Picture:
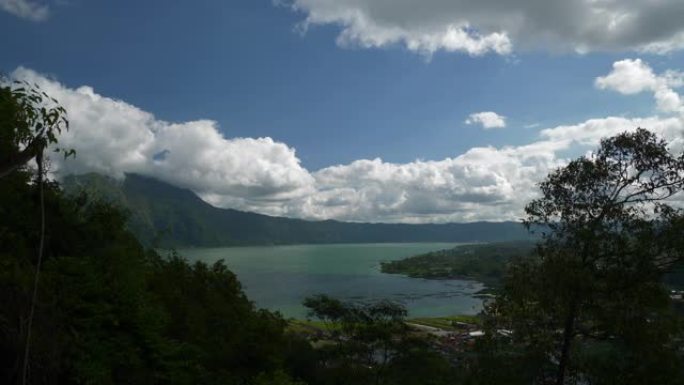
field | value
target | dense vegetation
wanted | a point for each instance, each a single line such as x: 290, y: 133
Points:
x: 482, y: 262
x: 590, y: 306
x: 109, y: 311
x: 164, y: 215
x: 372, y: 344
x: 486, y: 263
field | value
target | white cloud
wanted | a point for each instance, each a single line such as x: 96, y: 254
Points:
x: 487, y: 119
x: 481, y: 26
x: 634, y: 76
x: 262, y: 175
x: 26, y: 9
x: 482, y: 184
x: 628, y: 77
x: 589, y: 133
x: 113, y: 137
x: 485, y: 183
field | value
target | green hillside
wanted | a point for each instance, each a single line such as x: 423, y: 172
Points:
x: 165, y: 215
x: 483, y: 262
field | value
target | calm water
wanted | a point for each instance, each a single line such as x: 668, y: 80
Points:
x: 280, y: 277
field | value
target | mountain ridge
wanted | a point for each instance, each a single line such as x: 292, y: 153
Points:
x: 164, y: 215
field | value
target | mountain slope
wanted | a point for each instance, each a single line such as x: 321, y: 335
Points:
x: 166, y: 215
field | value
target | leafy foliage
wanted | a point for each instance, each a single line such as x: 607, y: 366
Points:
x: 371, y: 344
x: 110, y: 311
x: 594, y: 288
x: 30, y: 120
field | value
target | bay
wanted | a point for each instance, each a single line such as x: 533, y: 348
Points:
x: 280, y: 277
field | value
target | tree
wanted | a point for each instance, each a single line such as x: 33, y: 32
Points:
x: 372, y: 344
x: 594, y: 285
x: 365, y: 335
x: 30, y: 120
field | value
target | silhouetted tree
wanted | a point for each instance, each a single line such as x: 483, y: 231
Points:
x: 30, y: 120
x: 590, y: 304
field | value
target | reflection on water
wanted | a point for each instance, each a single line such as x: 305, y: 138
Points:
x: 280, y: 277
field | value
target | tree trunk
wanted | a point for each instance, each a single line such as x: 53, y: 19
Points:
x: 568, y: 336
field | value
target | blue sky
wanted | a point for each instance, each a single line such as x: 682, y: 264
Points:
x: 397, y: 90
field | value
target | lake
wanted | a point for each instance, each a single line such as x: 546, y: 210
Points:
x: 280, y: 277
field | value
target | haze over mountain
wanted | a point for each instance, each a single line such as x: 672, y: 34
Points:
x: 165, y: 215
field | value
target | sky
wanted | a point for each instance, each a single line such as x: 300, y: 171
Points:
x: 359, y: 110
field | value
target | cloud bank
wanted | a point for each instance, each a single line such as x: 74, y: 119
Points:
x: 259, y: 174
x: 477, y: 27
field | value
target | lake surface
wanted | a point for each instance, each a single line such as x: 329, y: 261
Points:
x: 280, y: 277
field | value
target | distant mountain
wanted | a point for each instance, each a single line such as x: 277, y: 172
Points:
x: 165, y: 215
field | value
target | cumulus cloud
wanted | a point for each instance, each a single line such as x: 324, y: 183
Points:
x: 477, y: 27
x: 485, y: 183
x: 487, y: 119
x: 628, y: 77
x: 590, y: 132
x: 263, y: 175
x: 482, y: 184
x: 113, y: 137
x: 634, y: 76
x: 26, y: 9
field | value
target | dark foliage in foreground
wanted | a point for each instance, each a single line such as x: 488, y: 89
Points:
x: 371, y: 344
x: 590, y: 306
x: 110, y: 311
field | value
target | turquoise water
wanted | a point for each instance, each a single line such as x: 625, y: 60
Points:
x: 280, y: 277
